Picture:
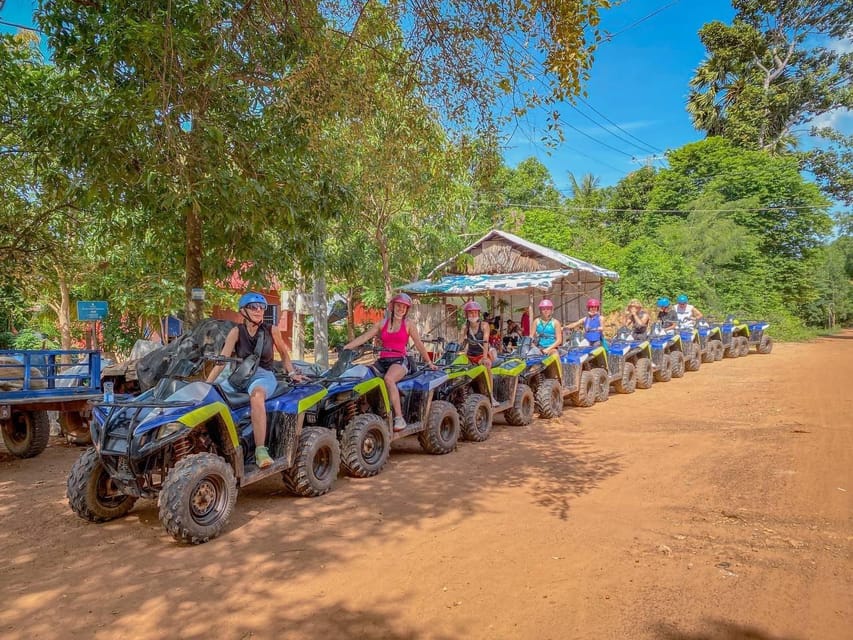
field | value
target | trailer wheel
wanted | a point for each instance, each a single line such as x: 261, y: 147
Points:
x: 26, y: 433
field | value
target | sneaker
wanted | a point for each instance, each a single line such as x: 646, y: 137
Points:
x: 399, y: 423
x: 262, y: 457
x: 495, y: 403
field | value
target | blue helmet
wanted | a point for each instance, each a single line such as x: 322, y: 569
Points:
x: 249, y: 297
x: 663, y: 302
x: 682, y: 299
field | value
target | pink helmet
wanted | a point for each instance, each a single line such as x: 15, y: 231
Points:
x: 471, y: 305
x: 403, y: 298
x: 546, y: 304
x: 593, y: 303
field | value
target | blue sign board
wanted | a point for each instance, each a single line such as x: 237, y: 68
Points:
x: 92, y: 309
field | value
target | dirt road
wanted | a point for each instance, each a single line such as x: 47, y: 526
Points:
x: 712, y: 507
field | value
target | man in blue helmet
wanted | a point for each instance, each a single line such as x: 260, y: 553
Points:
x: 666, y: 315
x: 242, y: 342
x: 687, y: 314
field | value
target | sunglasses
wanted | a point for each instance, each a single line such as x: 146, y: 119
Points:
x: 255, y: 306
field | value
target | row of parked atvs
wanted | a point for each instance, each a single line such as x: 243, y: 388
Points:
x: 190, y: 445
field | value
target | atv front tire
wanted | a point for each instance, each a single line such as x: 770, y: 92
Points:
x: 26, y: 433
x: 664, y: 370
x: 91, y: 493
x: 442, y: 429
x: 521, y: 412
x: 365, y: 445
x: 766, y: 345
x: 318, y: 460
x: 197, y: 498
x: 476, y: 418
x: 628, y: 382
x: 549, y: 399
x: 677, y: 359
x: 645, y: 375
x: 587, y: 390
x: 602, y: 384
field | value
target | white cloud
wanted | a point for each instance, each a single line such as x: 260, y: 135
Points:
x: 840, y: 119
x: 841, y: 45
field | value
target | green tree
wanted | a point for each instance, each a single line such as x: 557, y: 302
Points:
x: 832, y: 165
x: 763, y: 75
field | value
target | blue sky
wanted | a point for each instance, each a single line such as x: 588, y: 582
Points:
x: 639, y: 81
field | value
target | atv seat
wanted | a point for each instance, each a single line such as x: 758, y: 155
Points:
x: 238, y: 399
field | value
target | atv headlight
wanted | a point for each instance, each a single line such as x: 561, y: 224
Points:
x: 169, y: 429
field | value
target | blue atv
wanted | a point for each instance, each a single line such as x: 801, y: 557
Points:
x: 625, y: 363
x: 667, y: 354
x: 479, y: 397
x: 358, y: 410
x: 757, y: 338
x: 556, y: 377
x: 735, y: 337
x: 691, y: 345
x: 710, y: 340
x: 189, y: 444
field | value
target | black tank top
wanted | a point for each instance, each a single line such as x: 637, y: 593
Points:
x: 475, y: 348
x: 246, y: 344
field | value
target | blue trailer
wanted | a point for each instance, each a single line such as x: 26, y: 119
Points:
x: 33, y: 382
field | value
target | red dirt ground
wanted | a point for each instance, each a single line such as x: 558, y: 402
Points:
x: 716, y: 506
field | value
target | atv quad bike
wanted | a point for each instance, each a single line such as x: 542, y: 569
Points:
x: 691, y: 346
x: 190, y: 445
x: 479, y: 397
x: 667, y: 353
x: 711, y: 341
x: 358, y: 410
x: 625, y: 363
x: 735, y: 337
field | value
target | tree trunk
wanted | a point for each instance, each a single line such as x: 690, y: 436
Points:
x: 298, y: 351
x: 321, y: 317
x: 64, y: 314
x: 382, y: 243
x: 351, y: 301
x: 194, y: 278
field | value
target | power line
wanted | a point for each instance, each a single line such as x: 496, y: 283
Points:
x: 20, y: 26
x: 603, y: 128
x: 610, y: 36
x: 646, y: 144
x: 568, y: 208
x: 595, y: 140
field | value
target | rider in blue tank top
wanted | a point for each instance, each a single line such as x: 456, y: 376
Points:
x: 593, y: 327
x: 547, y: 330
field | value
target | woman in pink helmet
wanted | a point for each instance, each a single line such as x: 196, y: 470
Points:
x: 546, y: 329
x: 394, y: 331
x: 593, y: 328
x: 477, y: 335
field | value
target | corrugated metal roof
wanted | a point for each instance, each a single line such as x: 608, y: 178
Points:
x: 479, y: 283
x: 538, y: 249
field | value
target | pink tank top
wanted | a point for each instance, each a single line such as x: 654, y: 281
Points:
x: 394, y: 343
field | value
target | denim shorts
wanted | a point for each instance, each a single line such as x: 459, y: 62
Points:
x: 263, y: 378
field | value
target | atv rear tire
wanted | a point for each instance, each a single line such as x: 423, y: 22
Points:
x: 91, y: 492
x: 602, y: 384
x: 476, y: 417
x: 732, y: 350
x: 766, y: 345
x: 442, y: 429
x: 365, y: 445
x: 664, y: 370
x: 645, y: 375
x: 587, y: 390
x: 198, y: 498
x: 318, y: 459
x: 708, y: 353
x: 549, y: 399
x: 628, y: 382
x: 521, y: 412
x: 26, y: 433
x: 719, y: 351
x: 677, y: 359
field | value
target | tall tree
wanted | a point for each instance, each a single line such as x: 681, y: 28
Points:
x: 763, y: 75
